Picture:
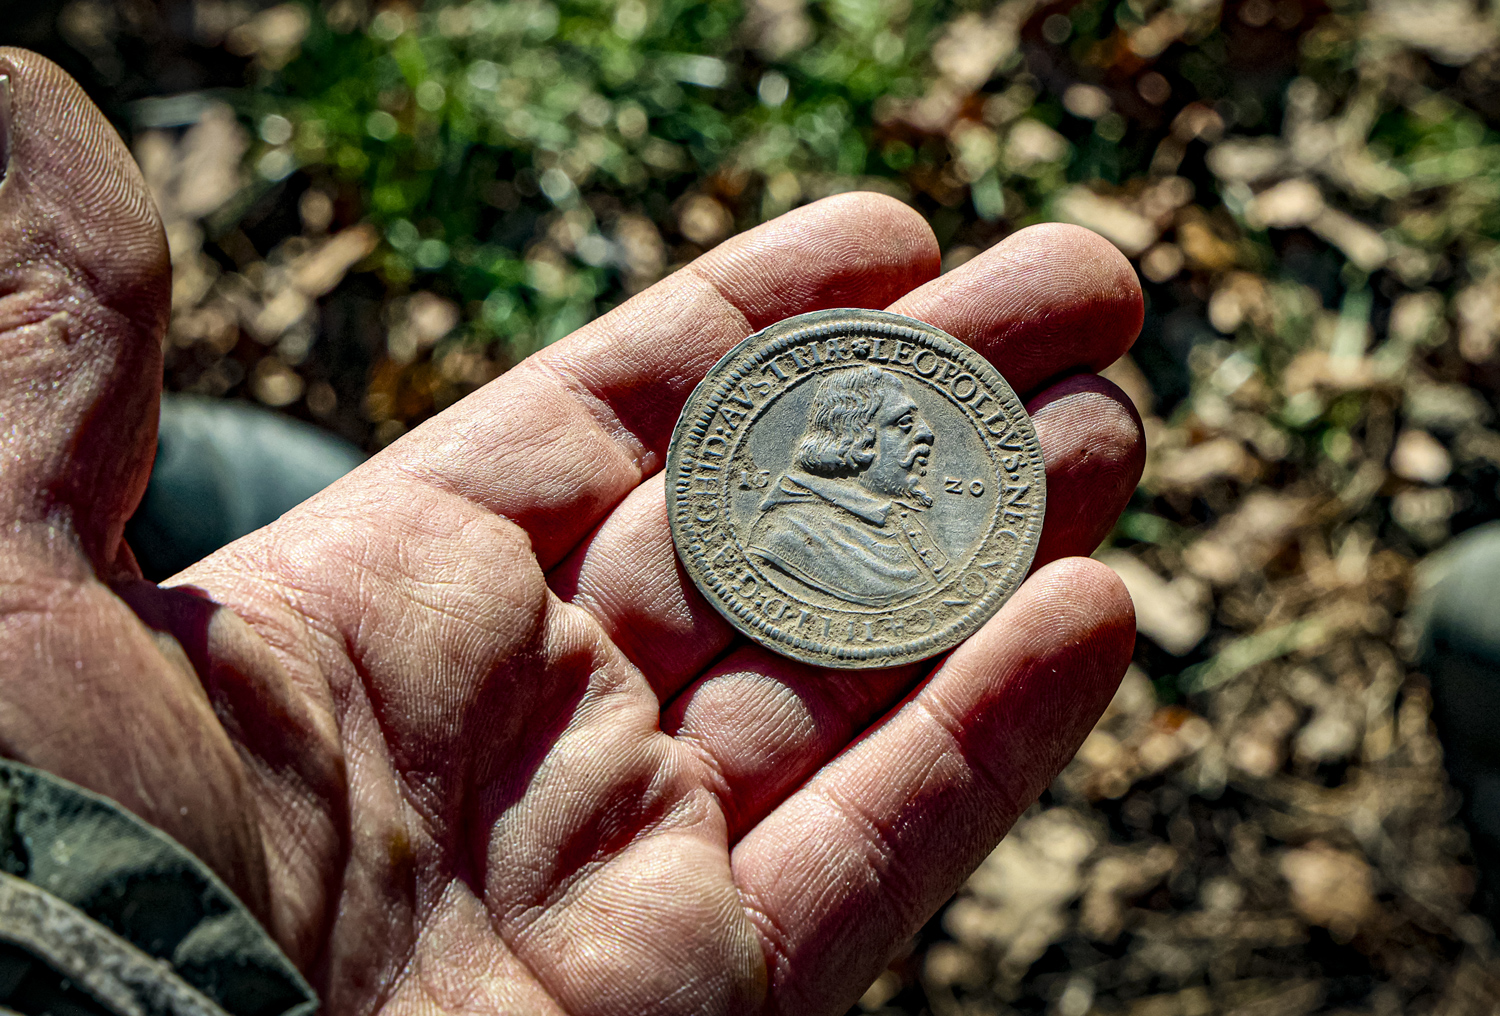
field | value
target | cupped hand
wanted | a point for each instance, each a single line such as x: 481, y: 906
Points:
x: 459, y: 729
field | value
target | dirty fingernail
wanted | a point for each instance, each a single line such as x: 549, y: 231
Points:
x: 4, y: 124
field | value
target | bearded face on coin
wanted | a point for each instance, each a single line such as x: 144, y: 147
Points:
x: 845, y: 519
x: 897, y: 441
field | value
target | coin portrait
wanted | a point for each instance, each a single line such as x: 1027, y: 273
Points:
x: 853, y: 488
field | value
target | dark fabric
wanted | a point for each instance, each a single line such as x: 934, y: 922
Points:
x: 141, y: 886
x: 224, y: 469
x: 1460, y: 650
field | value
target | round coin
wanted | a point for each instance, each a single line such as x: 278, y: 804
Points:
x: 853, y: 488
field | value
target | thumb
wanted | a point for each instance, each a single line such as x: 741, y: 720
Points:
x: 84, y: 295
x: 87, y: 691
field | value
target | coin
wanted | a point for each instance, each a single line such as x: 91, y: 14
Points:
x: 853, y: 488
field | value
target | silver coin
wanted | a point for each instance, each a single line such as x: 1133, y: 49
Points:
x: 854, y: 489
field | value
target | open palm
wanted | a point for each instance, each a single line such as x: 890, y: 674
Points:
x: 459, y: 729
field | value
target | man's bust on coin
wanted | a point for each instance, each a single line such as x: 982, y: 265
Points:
x: 844, y: 519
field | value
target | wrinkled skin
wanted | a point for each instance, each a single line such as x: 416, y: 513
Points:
x: 458, y: 729
x: 903, y: 442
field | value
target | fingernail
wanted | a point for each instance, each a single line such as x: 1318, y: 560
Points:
x: 4, y: 124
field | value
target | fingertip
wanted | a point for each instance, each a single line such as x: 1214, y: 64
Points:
x: 858, y: 249
x: 891, y: 226
x: 72, y: 195
x: 1070, y: 604
x: 1114, y: 628
x: 1030, y: 686
x: 1046, y: 301
x: 1101, y: 604
x: 1095, y: 405
x: 1094, y: 445
x: 1045, y: 666
x: 1090, y: 273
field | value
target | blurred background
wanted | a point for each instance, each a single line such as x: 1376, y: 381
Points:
x: 374, y: 208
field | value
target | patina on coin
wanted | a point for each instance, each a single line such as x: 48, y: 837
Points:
x: 854, y: 488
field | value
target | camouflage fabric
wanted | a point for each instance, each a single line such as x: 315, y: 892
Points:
x: 103, y: 914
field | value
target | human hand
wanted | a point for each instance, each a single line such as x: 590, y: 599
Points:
x: 458, y: 729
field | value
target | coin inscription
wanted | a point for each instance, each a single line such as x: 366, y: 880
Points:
x: 853, y: 488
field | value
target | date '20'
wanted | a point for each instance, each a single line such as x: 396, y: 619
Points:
x: 954, y: 485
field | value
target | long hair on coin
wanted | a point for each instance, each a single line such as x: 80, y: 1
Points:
x: 840, y: 435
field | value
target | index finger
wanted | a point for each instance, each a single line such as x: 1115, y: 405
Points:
x: 560, y: 439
